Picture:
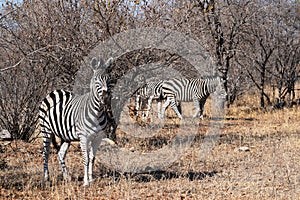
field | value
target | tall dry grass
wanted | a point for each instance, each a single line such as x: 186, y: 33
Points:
x: 268, y: 168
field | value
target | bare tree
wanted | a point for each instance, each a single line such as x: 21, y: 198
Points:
x: 226, y: 21
x: 42, y: 45
x: 259, y: 51
x: 270, y: 48
x: 287, y: 50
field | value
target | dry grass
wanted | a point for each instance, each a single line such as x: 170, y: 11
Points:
x: 269, y: 170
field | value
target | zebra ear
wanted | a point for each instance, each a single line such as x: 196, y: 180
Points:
x: 108, y: 62
x: 96, y: 64
x: 108, y: 65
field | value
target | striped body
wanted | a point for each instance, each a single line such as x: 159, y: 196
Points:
x: 186, y: 90
x: 75, y: 118
x: 149, y: 92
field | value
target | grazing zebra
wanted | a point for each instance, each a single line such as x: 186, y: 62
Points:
x: 196, y: 90
x: 76, y: 118
x: 150, y: 91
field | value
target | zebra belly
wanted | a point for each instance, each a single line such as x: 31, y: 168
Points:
x: 66, y: 131
x: 184, y: 97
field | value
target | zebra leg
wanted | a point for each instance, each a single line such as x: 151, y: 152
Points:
x: 85, y: 156
x: 149, y: 106
x: 178, y: 104
x: 196, y: 103
x: 170, y: 100
x: 142, y: 107
x: 61, y: 158
x: 159, y: 108
x: 164, y: 107
x: 201, y: 106
x: 137, y: 104
x: 46, y: 151
x: 94, y: 147
x: 174, y: 106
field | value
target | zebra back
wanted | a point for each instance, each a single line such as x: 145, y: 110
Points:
x: 188, y: 89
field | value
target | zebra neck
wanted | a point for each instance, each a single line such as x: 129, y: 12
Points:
x: 211, y: 88
x: 211, y: 85
x: 94, y: 103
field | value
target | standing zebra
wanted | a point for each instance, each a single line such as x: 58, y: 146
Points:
x: 150, y: 91
x: 76, y: 118
x: 196, y: 90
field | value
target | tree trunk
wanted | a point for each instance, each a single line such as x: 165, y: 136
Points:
x: 262, y: 87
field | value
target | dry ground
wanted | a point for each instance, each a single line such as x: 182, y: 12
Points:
x: 268, y: 169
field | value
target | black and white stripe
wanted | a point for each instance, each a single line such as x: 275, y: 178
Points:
x: 186, y: 90
x: 76, y: 118
x: 150, y: 91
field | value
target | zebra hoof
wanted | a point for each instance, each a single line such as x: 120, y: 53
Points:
x: 180, y: 117
x: 109, y: 141
x: 66, y: 176
x: 46, y: 178
x: 86, y: 184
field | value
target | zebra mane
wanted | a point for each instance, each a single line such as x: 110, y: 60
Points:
x: 208, y: 77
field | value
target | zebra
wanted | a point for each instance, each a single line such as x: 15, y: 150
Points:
x: 76, y: 118
x: 150, y: 91
x: 196, y: 90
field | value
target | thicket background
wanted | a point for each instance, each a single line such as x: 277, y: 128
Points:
x: 255, y: 44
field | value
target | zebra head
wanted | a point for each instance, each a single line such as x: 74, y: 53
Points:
x: 100, y: 80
